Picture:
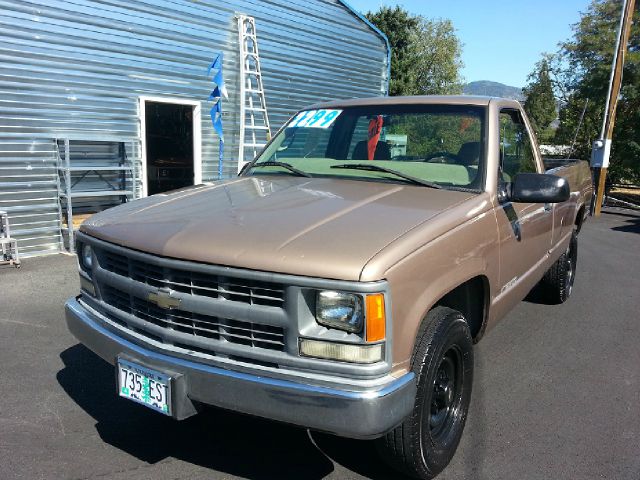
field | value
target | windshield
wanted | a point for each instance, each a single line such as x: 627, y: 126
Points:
x: 432, y: 145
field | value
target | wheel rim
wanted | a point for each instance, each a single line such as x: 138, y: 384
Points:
x: 446, y: 394
x: 570, y: 270
x: 569, y: 277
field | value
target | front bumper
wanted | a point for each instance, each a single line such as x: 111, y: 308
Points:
x: 334, y: 409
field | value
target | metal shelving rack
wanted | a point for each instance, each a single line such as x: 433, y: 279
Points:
x: 8, y: 246
x: 68, y: 186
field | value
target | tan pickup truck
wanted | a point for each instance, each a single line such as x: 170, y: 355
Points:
x: 340, y: 281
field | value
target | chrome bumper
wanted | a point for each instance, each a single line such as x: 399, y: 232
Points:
x: 355, y: 414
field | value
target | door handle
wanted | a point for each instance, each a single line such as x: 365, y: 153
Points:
x: 547, y: 207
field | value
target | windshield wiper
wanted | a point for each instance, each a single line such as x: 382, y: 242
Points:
x: 291, y: 168
x: 378, y: 168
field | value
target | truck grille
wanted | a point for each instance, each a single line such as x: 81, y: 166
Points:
x: 200, y: 332
x: 194, y: 283
x: 204, y: 326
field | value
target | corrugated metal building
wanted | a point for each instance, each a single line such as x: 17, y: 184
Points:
x: 83, y: 73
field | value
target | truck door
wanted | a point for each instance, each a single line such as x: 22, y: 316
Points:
x: 525, y: 229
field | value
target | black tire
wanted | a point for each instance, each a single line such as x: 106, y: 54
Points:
x: 557, y: 283
x: 423, y: 445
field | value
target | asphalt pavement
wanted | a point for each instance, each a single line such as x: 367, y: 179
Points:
x: 556, y: 392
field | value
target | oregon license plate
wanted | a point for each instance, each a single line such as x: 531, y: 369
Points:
x: 145, y: 386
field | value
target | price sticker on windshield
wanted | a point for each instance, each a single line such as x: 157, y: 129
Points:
x: 315, y: 118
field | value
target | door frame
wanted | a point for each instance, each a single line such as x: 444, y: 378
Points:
x: 197, y: 135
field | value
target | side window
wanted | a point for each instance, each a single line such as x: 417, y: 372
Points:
x: 516, y: 151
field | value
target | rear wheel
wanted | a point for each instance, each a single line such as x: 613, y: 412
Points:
x: 423, y: 445
x: 557, y: 283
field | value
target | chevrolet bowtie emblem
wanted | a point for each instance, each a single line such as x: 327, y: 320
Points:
x: 163, y: 299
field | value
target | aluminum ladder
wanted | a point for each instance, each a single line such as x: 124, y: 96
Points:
x: 255, y: 131
x: 8, y: 246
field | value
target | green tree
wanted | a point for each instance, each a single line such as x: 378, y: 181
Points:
x: 581, y: 71
x: 399, y: 27
x: 540, y: 101
x: 437, y: 64
x: 425, y: 54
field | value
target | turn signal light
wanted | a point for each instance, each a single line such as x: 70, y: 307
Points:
x: 376, y: 319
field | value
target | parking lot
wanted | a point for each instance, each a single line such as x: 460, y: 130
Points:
x: 556, y: 392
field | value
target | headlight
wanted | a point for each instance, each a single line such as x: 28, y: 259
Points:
x: 86, y: 257
x: 340, y: 310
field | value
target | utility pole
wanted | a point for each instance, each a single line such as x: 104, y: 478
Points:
x: 602, y: 147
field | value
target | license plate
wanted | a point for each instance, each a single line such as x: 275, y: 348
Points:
x: 145, y: 386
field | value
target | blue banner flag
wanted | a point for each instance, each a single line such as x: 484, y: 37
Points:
x: 218, y: 92
x: 216, y: 118
x: 218, y: 79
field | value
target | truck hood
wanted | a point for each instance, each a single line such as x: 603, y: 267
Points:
x: 327, y: 228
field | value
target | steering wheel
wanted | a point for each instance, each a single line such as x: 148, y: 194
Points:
x: 433, y: 156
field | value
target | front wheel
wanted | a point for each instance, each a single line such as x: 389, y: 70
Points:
x: 423, y: 445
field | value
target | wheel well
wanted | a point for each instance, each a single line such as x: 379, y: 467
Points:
x: 580, y: 219
x: 470, y: 299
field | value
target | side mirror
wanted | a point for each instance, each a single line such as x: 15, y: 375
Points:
x: 538, y: 188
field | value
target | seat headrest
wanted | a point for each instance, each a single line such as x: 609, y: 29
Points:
x: 469, y: 153
x: 360, y: 152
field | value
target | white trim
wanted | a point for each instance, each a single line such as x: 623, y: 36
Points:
x: 197, y: 135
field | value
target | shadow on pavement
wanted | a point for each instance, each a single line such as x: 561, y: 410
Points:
x: 622, y: 213
x: 477, y: 428
x: 216, y: 439
x: 631, y: 226
x: 356, y: 455
x: 539, y: 296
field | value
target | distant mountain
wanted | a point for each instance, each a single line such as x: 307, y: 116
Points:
x: 493, y: 89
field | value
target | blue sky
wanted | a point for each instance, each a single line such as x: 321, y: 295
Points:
x: 503, y: 39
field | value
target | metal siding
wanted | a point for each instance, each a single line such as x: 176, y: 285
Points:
x: 75, y: 69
